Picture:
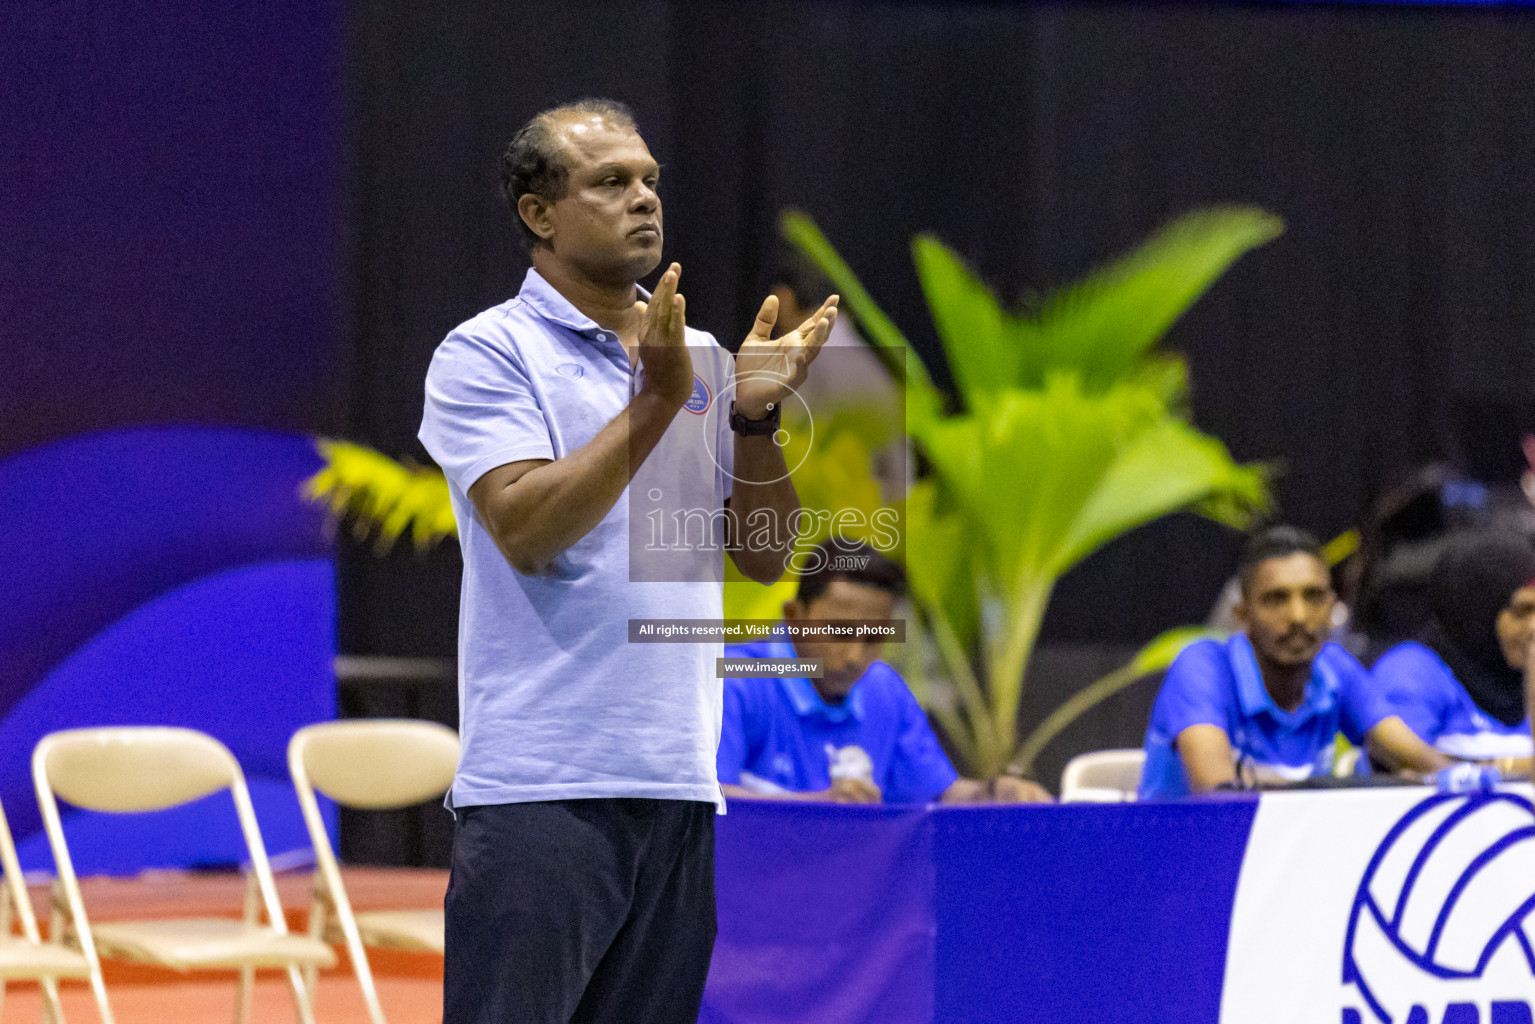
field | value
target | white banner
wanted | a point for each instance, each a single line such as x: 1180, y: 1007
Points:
x: 1385, y: 906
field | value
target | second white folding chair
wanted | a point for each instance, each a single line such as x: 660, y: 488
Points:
x: 1103, y: 776
x: 369, y: 764
x: 135, y: 769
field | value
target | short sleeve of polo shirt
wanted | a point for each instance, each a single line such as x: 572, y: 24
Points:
x: 919, y: 769
x: 1362, y: 706
x: 1196, y: 691
x: 481, y: 411
x: 1412, y: 683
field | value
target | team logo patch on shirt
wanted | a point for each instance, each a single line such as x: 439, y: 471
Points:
x: 571, y: 370
x: 698, y: 401
x: 850, y: 762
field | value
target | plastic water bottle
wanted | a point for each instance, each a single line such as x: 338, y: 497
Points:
x: 1467, y: 777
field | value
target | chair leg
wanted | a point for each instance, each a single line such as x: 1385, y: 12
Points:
x: 245, y: 992
x: 99, y: 989
x: 53, y: 1013
x: 301, y: 1000
x: 245, y: 988
x: 58, y: 931
x: 60, y: 927
x: 364, y: 972
x: 317, y: 921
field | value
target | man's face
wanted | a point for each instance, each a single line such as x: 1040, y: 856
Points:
x: 845, y: 660
x: 1286, y: 609
x: 1515, y: 623
x: 609, y: 222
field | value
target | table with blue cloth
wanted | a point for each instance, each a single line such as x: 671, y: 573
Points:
x: 1368, y: 906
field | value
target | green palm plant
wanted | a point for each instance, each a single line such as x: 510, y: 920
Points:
x: 1065, y: 430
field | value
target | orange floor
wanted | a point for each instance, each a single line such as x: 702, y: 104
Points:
x: 410, y: 985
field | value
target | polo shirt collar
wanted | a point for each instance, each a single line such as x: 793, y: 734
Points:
x: 556, y: 308
x: 806, y: 699
x: 1321, y: 688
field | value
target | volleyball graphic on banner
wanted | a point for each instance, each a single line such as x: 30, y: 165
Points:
x: 1441, y: 924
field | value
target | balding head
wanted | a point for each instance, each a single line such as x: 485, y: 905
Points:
x: 535, y: 161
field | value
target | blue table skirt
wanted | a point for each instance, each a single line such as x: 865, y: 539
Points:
x: 1090, y: 913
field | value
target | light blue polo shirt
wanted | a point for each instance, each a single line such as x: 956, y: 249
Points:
x: 779, y: 733
x: 1220, y: 684
x: 554, y: 702
x: 1420, y: 687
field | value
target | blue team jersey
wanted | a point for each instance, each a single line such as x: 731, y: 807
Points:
x: 1419, y: 686
x: 779, y: 734
x: 1220, y: 684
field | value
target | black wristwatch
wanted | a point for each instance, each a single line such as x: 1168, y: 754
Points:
x: 756, y: 428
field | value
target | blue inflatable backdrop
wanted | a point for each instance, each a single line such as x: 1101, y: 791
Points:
x: 164, y: 576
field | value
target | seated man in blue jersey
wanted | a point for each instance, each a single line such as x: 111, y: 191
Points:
x: 1462, y: 688
x: 1265, y: 706
x: 856, y: 735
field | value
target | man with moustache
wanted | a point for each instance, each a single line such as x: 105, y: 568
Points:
x: 582, y: 883
x: 1264, y: 706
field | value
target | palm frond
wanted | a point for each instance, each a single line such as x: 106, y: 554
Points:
x: 1167, y: 468
x: 381, y: 496
x: 923, y: 401
x: 800, y: 230
x: 978, y: 335
x: 1036, y: 482
x: 1105, y: 323
x: 938, y: 564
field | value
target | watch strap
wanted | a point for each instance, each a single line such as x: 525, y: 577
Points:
x: 756, y: 428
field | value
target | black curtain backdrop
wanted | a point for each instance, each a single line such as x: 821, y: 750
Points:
x: 1396, y: 142
x: 1392, y: 322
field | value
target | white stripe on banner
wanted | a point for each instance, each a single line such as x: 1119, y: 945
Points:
x: 1385, y: 906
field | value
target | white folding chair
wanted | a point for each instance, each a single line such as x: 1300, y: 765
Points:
x: 373, y: 764
x: 135, y: 769
x: 1103, y: 777
x: 27, y: 956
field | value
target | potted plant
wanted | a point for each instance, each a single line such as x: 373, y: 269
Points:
x: 1065, y: 430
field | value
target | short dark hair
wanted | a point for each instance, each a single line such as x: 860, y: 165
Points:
x: 532, y: 161
x: 852, y: 562
x: 1275, y: 542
